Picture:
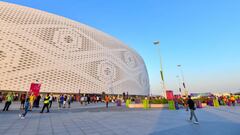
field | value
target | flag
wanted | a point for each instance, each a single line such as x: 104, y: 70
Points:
x: 162, y: 75
x: 35, y: 88
x: 156, y: 42
x: 184, y: 85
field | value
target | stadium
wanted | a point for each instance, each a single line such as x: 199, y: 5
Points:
x: 64, y: 56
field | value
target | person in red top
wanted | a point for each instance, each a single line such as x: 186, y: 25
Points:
x: 106, y: 100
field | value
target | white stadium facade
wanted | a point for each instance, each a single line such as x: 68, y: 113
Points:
x: 64, y: 56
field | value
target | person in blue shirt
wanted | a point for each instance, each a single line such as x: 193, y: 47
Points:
x: 26, y: 107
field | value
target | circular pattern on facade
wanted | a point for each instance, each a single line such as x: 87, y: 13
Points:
x: 129, y: 59
x: 106, y: 72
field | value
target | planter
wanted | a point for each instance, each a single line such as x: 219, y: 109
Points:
x: 158, y: 105
x: 204, y: 105
x: 150, y: 105
x: 135, y: 105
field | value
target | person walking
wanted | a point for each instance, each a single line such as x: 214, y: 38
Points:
x: 106, y: 100
x: 26, y: 107
x: 191, y: 105
x: 64, y: 101
x: 22, y: 99
x: 61, y: 99
x: 46, y: 103
x: 9, y: 99
x: 88, y: 99
x: 38, y: 100
x: 50, y: 100
x: 31, y: 101
x: 232, y: 100
x: 69, y: 100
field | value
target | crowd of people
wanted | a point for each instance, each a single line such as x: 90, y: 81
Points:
x: 28, y: 101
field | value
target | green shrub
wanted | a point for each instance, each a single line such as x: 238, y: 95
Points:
x: 158, y: 101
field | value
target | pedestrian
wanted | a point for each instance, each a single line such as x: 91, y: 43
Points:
x: 46, y: 103
x: 106, y: 100
x: 82, y: 99
x: 88, y: 99
x: 22, y: 99
x: 61, y: 99
x: 69, y: 100
x: 26, y: 107
x: 9, y: 99
x: 38, y: 100
x: 232, y: 100
x: 192, y: 108
x: 98, y: 99
x: 31, y: 101
x: 50, y: 100
x: 64, y: 101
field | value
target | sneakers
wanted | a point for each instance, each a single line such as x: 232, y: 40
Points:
x: 196, y: 122
x: 22, y: 117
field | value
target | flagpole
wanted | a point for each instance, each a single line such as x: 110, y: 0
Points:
x: 179, y: 84
x: 183, y: 80
x: 157, y: 43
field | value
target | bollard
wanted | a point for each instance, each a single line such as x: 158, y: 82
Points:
x: 171, y: 105
x: 146, y: 104
x: 215, y: 103
x: 128, y: 102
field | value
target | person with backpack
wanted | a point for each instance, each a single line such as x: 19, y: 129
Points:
x: 26, y: 107
x: 191, y: 106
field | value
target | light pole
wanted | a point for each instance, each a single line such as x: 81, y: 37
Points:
x: 157, y: 43
x: 183, y: 80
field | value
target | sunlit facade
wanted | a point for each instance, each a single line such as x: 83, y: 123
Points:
x: 64, y: 56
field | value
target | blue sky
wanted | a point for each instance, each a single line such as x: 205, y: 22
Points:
x: 201, y: 35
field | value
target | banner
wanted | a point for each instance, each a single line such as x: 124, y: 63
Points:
x: 35, y: 88
x: 169, y: 94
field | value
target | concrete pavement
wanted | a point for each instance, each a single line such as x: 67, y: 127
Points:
x: 96, y: 120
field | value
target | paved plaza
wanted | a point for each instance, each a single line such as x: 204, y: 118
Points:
x: 95, y: 119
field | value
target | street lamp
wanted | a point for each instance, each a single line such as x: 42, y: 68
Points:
x: 183, y: 80
x: 157, y: 43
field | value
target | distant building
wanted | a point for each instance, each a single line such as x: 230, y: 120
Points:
x: 196, y: 95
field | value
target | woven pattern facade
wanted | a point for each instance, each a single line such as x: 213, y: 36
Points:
x: 64, y: 56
